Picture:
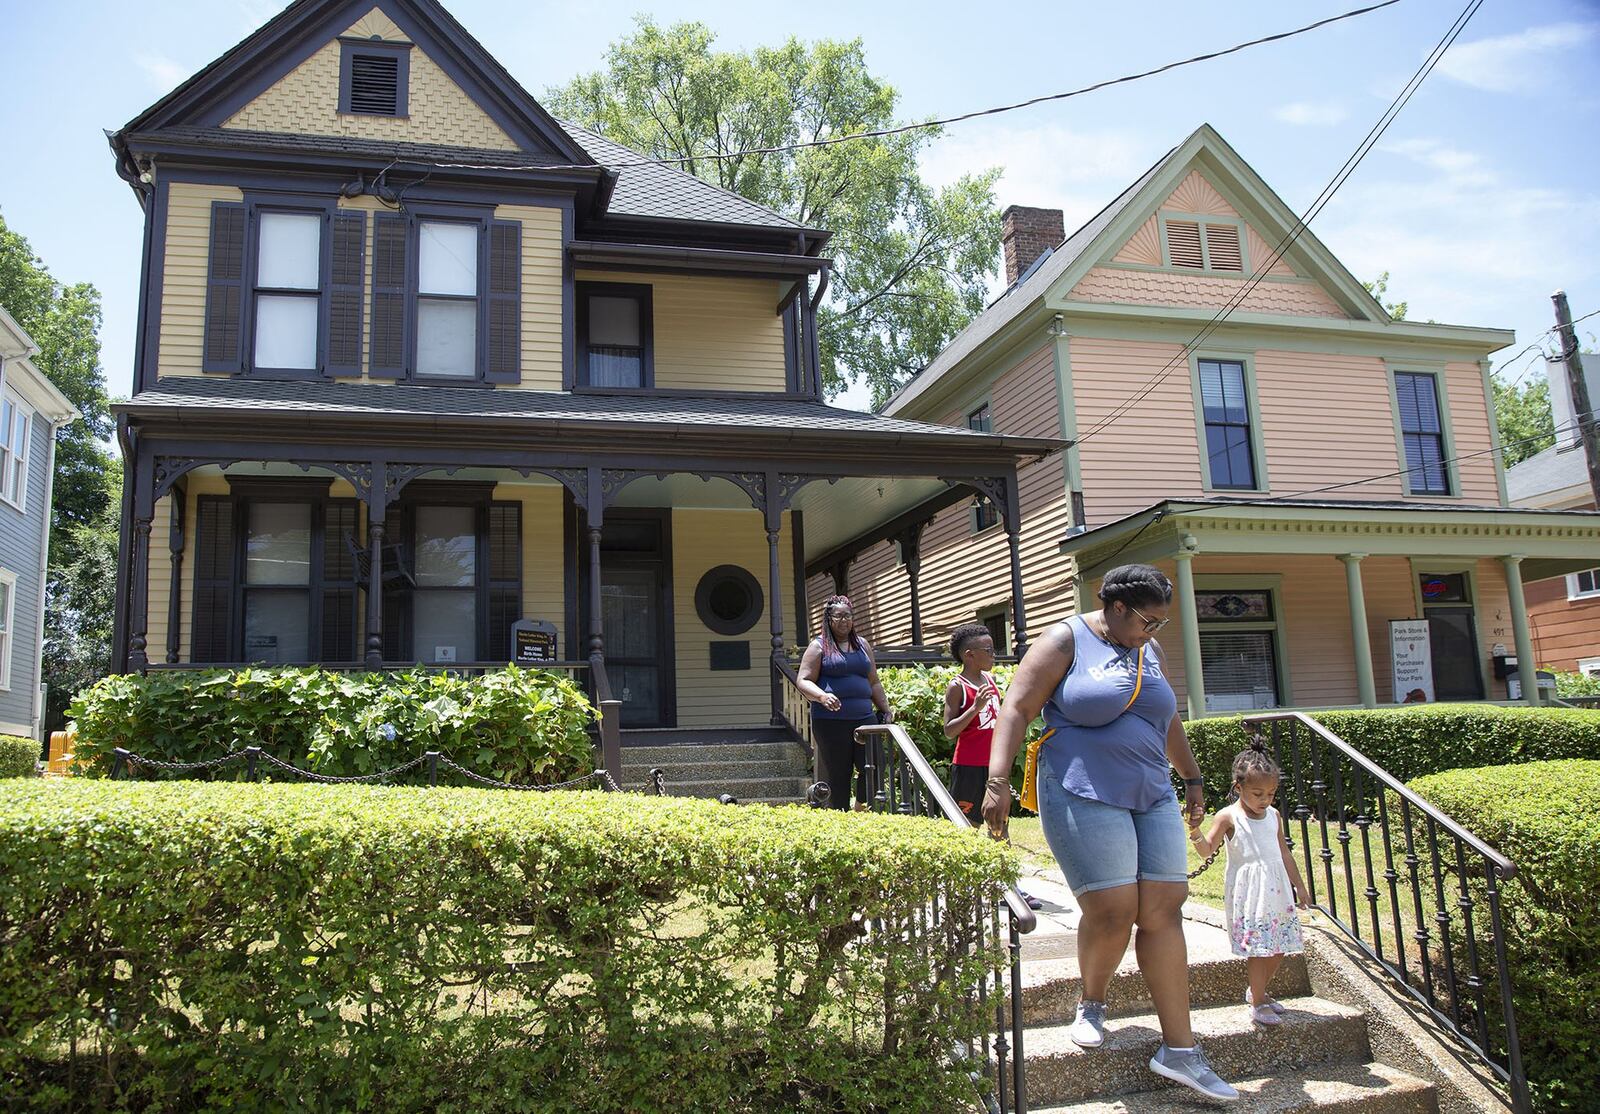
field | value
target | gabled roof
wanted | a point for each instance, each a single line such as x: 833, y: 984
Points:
x: 305, y: 26
x: 1204, y: 149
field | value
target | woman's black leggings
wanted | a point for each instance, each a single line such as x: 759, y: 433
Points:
x: 837, y: 756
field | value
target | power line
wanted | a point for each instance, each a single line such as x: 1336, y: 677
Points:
x: 1523, y: 374
x: 901, y: 129
x: 1301, y: 223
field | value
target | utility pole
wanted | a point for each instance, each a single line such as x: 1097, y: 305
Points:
x: 1582, y: 407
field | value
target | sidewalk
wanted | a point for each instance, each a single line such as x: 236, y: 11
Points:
x: 1056, y: 936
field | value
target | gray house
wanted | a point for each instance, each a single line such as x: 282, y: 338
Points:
x: 31, y: 410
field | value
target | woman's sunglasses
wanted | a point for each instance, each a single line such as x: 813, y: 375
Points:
x: 1150, y: 625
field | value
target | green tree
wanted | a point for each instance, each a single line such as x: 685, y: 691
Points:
x: 910, y: 261
x: 1378, y: 288
x: 1522, y: 409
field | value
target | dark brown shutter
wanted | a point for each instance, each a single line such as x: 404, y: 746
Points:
x: 391, y: 234
x: 340, y: 619
x: 223, y: 349
x: 212, y: 626
x: 505, y: 576
x: 505, y: 302
x: 347, y: 277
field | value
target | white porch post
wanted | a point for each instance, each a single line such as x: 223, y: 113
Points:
x: 1366, y: 685
x: 1527, y: 668
x: 1194, y: 680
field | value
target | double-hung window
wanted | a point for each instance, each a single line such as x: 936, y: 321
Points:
x: 1422, y: 433
x: 1583, y: 585
x: 8, y: 607
x: 288, y: 290
x: 614, y: 335
x: 447, y: 299
x: 16, y: 421
x: 1225, y: 406
x: 983, y: 513
x: 1238, y: 649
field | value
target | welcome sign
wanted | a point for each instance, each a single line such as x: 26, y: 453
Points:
x: 1411, y: 654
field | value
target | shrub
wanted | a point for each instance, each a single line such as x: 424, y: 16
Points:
x: 223, y: 945
x: 1545, y: 818
x: 512, y: 724
x: 19, y: 757
x: 1413, y: 741
x: 1577, y: 684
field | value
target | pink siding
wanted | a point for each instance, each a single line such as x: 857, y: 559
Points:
x: 1144, y: 246
x: 1469, y: 426
x: 1197, y: 290
x: 1196, y: 195
x: 1326, y: 419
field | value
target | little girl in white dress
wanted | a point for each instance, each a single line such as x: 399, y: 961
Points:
x: 1263, y: 886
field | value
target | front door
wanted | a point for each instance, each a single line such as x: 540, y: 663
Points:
x: 1453, y: 637
x: 636, y: 614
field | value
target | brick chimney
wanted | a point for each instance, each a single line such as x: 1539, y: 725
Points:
x: 1026, y: 234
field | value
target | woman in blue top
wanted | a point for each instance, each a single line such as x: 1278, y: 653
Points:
x: 1106, y: 802
x: 839, y: 677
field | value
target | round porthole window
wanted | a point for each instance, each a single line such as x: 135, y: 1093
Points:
x: 728, y: 600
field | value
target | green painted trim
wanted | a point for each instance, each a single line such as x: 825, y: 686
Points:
x: 1252, y: 399
x: 1282, y: 334
x: 1271, y: 582
x: 1479, y: 341
x: 1499, y: 454
x: 1066, y: 413
x: 1442, y: 392
x: 1469, y: 569
x: 1147, y: 268
x: 1165, y: 215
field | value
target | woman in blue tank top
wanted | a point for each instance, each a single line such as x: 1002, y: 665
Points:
x: 837, y: 674
x: 1106, y: 802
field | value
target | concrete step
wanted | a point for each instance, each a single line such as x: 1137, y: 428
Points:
x: 1051, y: 987
x: 733, y: 751
x: 1326, y: 1088
x: 714, y: 769
x: 747, y: 789
x: 1314, y: 1031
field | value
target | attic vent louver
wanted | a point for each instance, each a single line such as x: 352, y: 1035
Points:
x: 1183, y: 244
x: 1222, y: 246
x: 375, y: 85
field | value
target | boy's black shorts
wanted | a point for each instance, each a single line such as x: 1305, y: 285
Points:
x: 967, y: 784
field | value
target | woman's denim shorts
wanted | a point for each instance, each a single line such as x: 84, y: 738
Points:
x: 1099, y: 846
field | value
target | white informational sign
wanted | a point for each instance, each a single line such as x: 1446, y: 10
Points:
x: 1412, y: 656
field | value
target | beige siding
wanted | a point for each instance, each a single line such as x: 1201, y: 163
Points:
x: 160, y: 581
x: 701, y: 540
x: 712, y: 333
x: 962, y: 573
x: 541, y: 294
x: 183, y: 274
x: 306, y: 101
x: 1197, y: 290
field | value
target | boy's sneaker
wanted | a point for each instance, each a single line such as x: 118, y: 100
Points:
x: 1271, y: 1003
x: 1190, y: 1069
x: 1088, y: 1029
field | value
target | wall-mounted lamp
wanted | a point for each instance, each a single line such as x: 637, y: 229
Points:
x: 147, y: 172
x: 1058, y: 327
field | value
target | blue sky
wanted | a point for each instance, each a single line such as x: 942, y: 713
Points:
x: 1482, y: 199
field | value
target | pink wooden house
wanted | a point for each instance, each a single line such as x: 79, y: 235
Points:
x: 1308, y: 473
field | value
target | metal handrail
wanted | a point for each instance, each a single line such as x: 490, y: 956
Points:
x: 899, y: 793
x: 1420, y: 849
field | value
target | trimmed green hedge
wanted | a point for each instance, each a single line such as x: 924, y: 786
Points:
x: 241, y: 946
x: 19, y: 757
x: 1413, y: 741
x: 513, y: 724
x: 1545, y: 818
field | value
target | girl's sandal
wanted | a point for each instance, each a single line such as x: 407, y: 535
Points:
x: 1272, y: 1003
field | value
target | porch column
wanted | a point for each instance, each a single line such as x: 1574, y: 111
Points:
x: 1013, y: 515
x: 911, y: 549
x: 1366, y: 686
x: 1194, y: 678
x: 773, y: 514
x: 841, y: 578
x: 139, y: 596
x: 377, y: 509
x: 1527, y: 668
x: 179, y: 497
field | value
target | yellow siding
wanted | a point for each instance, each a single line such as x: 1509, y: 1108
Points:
x: 701, y: 540
x: 305, y: 101
x: 543, y: 571
x: 160, y: 581
x: 712, y: 333
x: 183, y: 274
x: 541, y: 294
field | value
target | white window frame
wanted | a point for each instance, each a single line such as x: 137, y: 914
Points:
x: 8, y: 615
x: 1575, y: 592
x: 1589, y: 667
x: 9, y: 457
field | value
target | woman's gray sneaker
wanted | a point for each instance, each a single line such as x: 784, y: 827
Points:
x: 1089, y: 1027
x: 1190, y: 1069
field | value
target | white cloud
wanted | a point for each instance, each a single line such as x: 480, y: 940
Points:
x: 1459, y: 167
x: 163, y: 72
x: 1514, y: 63
x: 1312, y: 113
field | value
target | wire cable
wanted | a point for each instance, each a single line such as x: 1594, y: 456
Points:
x: 920, y: 125
x: 1301, y: 223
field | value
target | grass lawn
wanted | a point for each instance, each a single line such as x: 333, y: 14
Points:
x: 1027, y: 836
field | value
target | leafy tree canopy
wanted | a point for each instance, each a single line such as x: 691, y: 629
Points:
x: 1522, y: 408
x: 910, y: 260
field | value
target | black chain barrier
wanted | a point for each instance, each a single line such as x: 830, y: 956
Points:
x: 124, y: 761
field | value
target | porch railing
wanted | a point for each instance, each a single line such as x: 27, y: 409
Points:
x: 900, y: 780
x: 1414, y: 874
x: 796, y: 709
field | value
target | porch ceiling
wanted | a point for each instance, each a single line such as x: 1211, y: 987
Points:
x: 836, y: 513
x: 1552, y: 543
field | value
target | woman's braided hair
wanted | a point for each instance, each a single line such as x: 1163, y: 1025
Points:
x: 1136, y: 586
x: 1254, y: 762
